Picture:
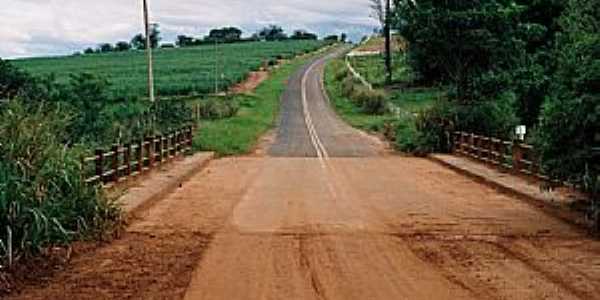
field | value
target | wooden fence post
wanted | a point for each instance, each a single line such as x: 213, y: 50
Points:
x: 140, y: 156
x: 517, y: 157
x: 100, y: 165
x: 190, y: 139
x: 150, y: 151
x: 127, y: 160
x: 115, y: 163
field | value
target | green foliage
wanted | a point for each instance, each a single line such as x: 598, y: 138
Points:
x: 372, y: 68
x: 43, y: 200
x: 218, y: 108
x: 570, y: 120
x: 428, y: 132
x: 459, y: 41
x: 225, y: 35
x: 178, y: 72
x: 272, y: 33
x: 257, y: 113
x: 495, y: 117
x: 372, y: 102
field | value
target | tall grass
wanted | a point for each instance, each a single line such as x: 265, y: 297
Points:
x: 43, y: 199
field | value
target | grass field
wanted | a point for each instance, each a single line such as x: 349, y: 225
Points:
x: 239, y: 134
x: 372, y: 68
x: 184, y: 71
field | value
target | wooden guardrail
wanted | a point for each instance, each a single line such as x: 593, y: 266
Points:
x: 517, y: 157
x: 133, y: 159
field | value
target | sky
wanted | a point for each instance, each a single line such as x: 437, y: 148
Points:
x: 58, y: 27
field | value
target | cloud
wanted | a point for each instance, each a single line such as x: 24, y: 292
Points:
x: 55, y: 27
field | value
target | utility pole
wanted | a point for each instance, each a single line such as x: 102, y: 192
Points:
x: 149, y: 54
x: 387, y: 31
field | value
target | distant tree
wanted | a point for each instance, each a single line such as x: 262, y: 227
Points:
x: 343, y: 38
x: 106, y: 47
x: 272, y: 33
x: 332, y: 38
x: 89, y: 51
x: 138, y: 42
x: 122, y: 46
x: 225, y: 34
x: 155, y: 35
x: 303, y: 35
x: 167, y: 46
x: 378, y: 12
x: 184, y: 41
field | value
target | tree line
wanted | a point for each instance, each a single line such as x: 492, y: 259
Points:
x: 219, y: 35
x: 511, y: 62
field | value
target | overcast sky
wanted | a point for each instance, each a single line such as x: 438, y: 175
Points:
x: 55, y: 27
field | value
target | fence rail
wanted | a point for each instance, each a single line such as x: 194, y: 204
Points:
x: 124, y: 161
x: 517, y: 157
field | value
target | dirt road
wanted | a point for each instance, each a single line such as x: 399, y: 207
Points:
x: 328, y: 215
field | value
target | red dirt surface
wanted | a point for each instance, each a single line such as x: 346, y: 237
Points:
x: 251, y: 83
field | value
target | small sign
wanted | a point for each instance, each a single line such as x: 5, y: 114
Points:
x: 521, y: 131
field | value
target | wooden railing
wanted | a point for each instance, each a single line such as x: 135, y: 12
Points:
x: 517, y: 157
x: 130, y: 160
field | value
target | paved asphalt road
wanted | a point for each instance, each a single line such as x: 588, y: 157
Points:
x: 308, y: 127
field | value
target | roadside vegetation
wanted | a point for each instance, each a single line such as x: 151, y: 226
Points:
x: 499, y: 64
x: 393, y: 112
x: 258, y: 110
x: 54, y: 111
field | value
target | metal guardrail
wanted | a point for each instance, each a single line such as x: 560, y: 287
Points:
x: 124, y: 161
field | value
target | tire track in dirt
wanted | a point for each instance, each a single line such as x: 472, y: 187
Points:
x: 456, y: 257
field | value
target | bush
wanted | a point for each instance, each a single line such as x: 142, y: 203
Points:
x: 43, y: 199
x: 348, y: 86
x: 495, y: 117
x: 218, y: 108
x: 372, y: 102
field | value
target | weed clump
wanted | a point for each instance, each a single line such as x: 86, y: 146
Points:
x: 44, y: 201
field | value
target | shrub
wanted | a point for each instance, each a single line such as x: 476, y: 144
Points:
x: 43, y: 199
x: 348, y: 85
x: 218, y: 108
x: 372, y: 102
x: 495, y: 117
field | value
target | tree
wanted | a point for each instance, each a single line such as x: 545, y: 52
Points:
x: 331, y: 38
x: 138, y: 42
x: 122, y: 46
x: 469, y: 44
x: 378, y: 11
x: 570, y: 119
x: 154, y: 35
x: 303, y: 35
x: 106, y: 47
x: 343, y: 38
x: 184, y: 41
x: 381, y: 11
x: 272, y: 33
x: 225, y: 35
x: 89, y: 51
